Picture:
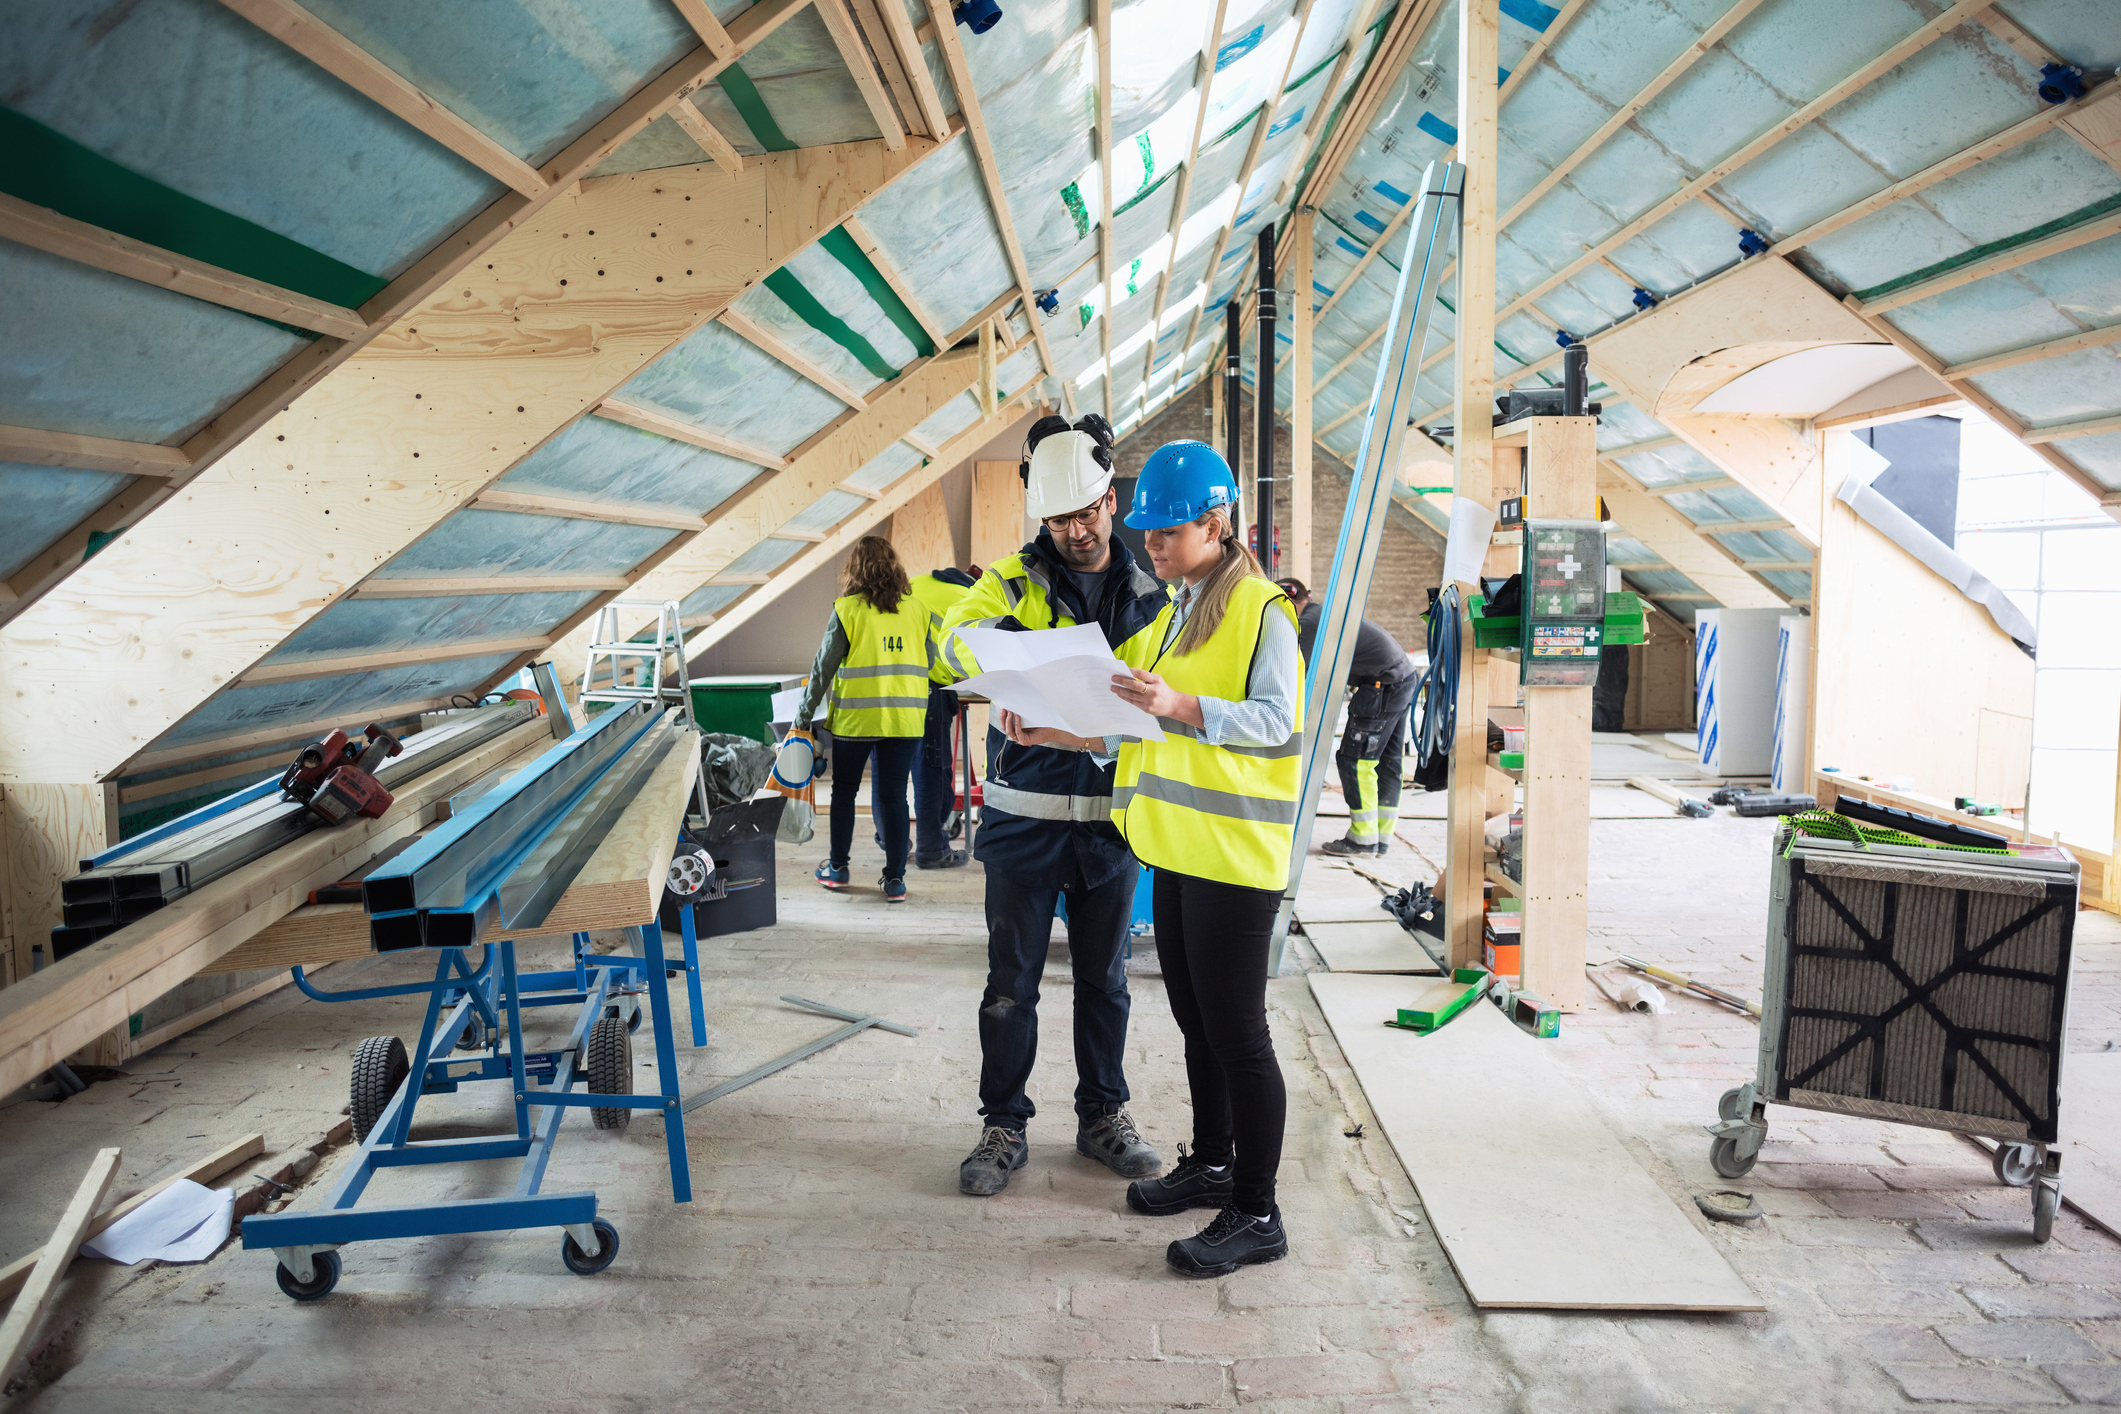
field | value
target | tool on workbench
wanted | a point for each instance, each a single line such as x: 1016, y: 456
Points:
x: 336, y: 780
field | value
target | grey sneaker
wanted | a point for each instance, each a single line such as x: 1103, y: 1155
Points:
x: 985, y: 1171
x: 1113, y: 1141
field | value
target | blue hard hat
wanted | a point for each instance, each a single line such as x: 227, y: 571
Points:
x: 1181, y: 481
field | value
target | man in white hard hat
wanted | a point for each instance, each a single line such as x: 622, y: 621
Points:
x: 1045, y: 827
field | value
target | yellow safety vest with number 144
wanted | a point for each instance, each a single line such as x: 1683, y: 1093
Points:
x: 881, y: 688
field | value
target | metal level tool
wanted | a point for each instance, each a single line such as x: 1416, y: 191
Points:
x: 857, y: 1023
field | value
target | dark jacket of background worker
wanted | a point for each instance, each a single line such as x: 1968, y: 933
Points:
x: 1384, y: 683
x: 1045, y: 822
x: 873, y: 664
x: 933, y: 790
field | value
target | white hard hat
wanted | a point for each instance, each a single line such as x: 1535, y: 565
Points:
x: 1066, y: 474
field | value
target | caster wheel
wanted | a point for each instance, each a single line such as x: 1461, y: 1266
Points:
x: 1727, y: 1106
x: 586, y: 1264
x: 379, y: 1068
x: 633, y: 1023
x: 1723, y: 1157
x: 954, y: 825
x: 2016, y: 1164
x: 2046, y: 1200
x: 610, y: 1069
x: 474, y: 1037
x: 325, y: 1266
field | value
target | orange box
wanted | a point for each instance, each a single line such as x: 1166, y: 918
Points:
x: 1501, y: 958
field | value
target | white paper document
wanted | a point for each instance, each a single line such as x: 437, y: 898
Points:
x: 1056, y: 677
x: 782, y: 708
x: 185, y: 1222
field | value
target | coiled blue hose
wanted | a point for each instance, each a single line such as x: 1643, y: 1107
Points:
x: 1436, y: 708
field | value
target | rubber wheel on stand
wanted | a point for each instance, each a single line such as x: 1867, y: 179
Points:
x: 1723, y: 1157
x: 474, y: 1035
x: 610, y: 1068
x: 2015, y: 1164
x: 1727, y: 1104
x: 325, y: 1276
x: 2047, y: 1198
x: 379, y: 1068
x: 633, y: 1022
x: 588, y: 1264
x: 954, y: 824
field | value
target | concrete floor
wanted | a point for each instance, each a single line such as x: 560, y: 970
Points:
x: 828, y: 1261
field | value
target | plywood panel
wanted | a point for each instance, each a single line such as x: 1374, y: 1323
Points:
x: 997, y: 511
x: 1382, y: 946
x: 49, y: 830
x: 1535, y: 1201
x: 920, y: 532
x: 1660, y: 675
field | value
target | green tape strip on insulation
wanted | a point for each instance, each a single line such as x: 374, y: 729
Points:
x: 796, y: 295
x: 47, y: 168
x: 1983, y: 252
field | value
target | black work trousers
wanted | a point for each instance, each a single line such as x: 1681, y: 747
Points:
x: 1212, y: 940
x: 1019, y: 930
x: 887, y: 801
x: 1369, y: 757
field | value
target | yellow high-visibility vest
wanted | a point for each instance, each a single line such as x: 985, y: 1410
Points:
x: 881, y: 688
x: 1226, y: 813
x: 938, y: 596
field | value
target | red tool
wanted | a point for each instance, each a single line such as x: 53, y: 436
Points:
x: 336, y: 781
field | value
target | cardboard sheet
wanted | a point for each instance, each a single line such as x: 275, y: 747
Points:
x: 1536, y: 1202
x: 1382, y: 946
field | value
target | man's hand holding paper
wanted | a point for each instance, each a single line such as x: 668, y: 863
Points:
x: 1056, y: 677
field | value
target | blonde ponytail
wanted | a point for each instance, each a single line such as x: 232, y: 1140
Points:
x: 1211, y: 597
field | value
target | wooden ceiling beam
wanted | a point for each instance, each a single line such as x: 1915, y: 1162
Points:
x: 382, y: 85
x: 778, y: 349
x: 686, y: 114
x: 71, y: 449
x: 926, y: 96
x: 869, y: 21
x: 667, y: 424
x: 574, y: 508
x: 467, y: 586
x: 63, y: 236
x: 1556, y: 27
x: 302, y: 669
x: 2033, y: 353
x: 900, y: 286
x: 707, y: 27
x: 848, y: 40
x: 2062, y: 431
x: 2082, y: 234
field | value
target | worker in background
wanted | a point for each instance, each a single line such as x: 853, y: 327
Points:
x: 933, y: 790
x: 1212, y: 809
x: 1384, y: 680
x: 1045, y: 822
x: 875, y: 659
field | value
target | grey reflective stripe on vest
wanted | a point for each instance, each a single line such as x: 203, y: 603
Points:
x: 1207, y: 802
x: 1294, y: 746
x: 856, y: 704
x: 883, y: 670
x: 1014, y: 590
x: 1031, y: 805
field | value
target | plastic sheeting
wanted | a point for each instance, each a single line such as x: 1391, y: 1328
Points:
x: 766, y: 556
x: 886, y: 467
x: 44, y: 502
x: 344, y: 697
x: 533, y: 75
x: 718, y: 382
x: 936, y: 229
x: 503, y: 543
x: 804, y: 85
x: 600, y: 460
x: 710, y: 599
x: 382, y: 625
x: 843, y: 296
x: 205, y: 102
x: 826, y: 511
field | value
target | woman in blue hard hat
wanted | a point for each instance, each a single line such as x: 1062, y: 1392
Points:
x: 1212, y: 808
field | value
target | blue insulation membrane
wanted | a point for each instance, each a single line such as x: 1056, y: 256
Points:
x: 1725, y: 503
x: 1154, y: 49
x: 2069, y: 388
x: 1624, y: 424
x: 664, y: 144
x: 85, y: 351
x: 1040, y: 127
x: 200, y: 100
x: 835, y: 287
x: 1242, y: 83
x: 533, y: 75
x: 1793, y: 584
x: 1627, y: 550
x: 1765, y: 545
x: 709, y: 599
x: 48, y: 501
x: 383, y: 625
x: 886, y: 467
x: 346, y: 696
x: 805, y: 85
x: 717, y: 381
x: 2099, y: 455
x: 948, y: 420
x: 1668, y: 466
x: 936, y: 229
x: 600, y: 460
x: 502, y: 543
x: 2040, y: 300
x: 826, y: 511
x: 2082, y: 29
x: 765, y: 557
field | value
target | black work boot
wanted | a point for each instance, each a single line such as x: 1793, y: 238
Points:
x: 1113, y: 1141
x: 1233, y: 1240
x: 985, y: 1171
x: 1345, y: 847
x: 1193, y: 1184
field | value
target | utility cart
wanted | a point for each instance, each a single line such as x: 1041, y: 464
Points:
x: 1919, y: 984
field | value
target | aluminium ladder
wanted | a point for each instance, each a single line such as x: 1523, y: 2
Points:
x: 635, y: 667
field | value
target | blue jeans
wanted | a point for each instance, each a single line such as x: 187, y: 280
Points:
x: 933, y: 791
x: 1019, y: 927
x: 894, y: 762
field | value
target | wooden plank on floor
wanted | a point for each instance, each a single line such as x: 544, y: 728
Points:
x: 1381, y: 946
x: 1535, y: 1201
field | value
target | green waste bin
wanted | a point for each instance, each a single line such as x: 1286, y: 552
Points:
x: 741, y: 705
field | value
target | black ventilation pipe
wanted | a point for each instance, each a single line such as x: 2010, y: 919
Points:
x: 1233, y: 387
x: 1263, y: 400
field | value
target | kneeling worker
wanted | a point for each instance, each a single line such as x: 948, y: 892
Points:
x: 1385, y: 681
x: 1045, y: 822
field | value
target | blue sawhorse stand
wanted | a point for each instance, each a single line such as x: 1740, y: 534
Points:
x: 482, y: 1007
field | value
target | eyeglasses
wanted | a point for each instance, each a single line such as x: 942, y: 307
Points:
x: 1086, y: 517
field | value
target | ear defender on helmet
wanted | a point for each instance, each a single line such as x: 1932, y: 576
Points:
x: 1094, y: 426
x: 1040, y: 430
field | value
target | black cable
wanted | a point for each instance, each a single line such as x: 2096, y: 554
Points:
x: 1436, y: 718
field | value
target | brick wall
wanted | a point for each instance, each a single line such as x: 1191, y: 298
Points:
x: 1409, y: 563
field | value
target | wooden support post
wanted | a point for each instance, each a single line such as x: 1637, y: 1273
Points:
x: 48, y: 831
x: 997, y: 512
x: 1479, y: 25
x: 1298, y: 561
x: 989, y: 396
x: 1561, y: 482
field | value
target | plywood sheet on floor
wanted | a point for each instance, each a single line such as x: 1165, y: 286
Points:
x: 2091, y: 1137
x: 1382, y: 946
x: 1608, y: 801
x: 1535, y: 1201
